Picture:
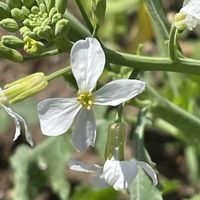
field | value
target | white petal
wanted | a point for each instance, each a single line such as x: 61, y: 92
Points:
x: 84, y: 134
x: 80, y: 166
x: 119, y: 91
x: 56, y: 115
x: 99, y: 182
x: 192, y: 10
x: 149, y: 170
x: 20, y: 125
x: 119, y: 174
x: 87, y: 62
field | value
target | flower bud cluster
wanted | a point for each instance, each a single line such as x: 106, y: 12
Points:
x: 40, y: 23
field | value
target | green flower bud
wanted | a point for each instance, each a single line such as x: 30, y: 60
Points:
x: 28, y: 3
x: 43, y: 8
x: 33, y: 47
x: 43, y: 32
x: 61, y: 5
x: 35, y: 10
x: 25, y: 10
x: 99, y: 11
x: 52, y: 12
x: 9, y: 24
x: 62, y: 28
x: 4, y: 11
x: 23, y: 30
x: 17, y: 14
x: 46, y: 22
x: 25, y: 87
x: 49, y: 4
x: 12, y: 41
x: 40, y: 1
x: 55, y: 18
x: 10, y: 54
x: 180, y: 21
x: 14, y: 3
x: 115, y: 141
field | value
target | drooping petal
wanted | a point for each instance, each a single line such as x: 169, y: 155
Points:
x: 149, y: 170
x: 56, y: 115
x: 84, y: 134
x: 119, y: 174
x: 118, y: 91
x: 82, y: 167
x: 87, y: 62
x: 20, y: 125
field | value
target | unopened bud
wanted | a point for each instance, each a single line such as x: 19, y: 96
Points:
x: 25, y: 87
x: 43, y: 8
x: 55, y: 18
x: 62, y: 28
x: 17, y: 14
x: 10, y: 54
x: 115, y: 141
x: 28, y: 3
x: 33, y: 47
x: 179, y: 22
x: 49, y: 4
x: 35, y: 10
x: 9, y: 24
x: 12, y: 41
x: 4, y: 11
x: 25, y: 10
x: 52, y: 12
x: 43, y: 32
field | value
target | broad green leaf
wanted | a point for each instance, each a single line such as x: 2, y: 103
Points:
x: 156, y: 10
x: 85, y: 193
x: 143, y: 189
x: 42, y: 166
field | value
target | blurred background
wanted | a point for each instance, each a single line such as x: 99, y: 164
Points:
x: 41, y: 173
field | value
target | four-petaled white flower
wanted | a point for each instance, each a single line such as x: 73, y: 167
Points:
x: 20, y: 123
x: 115, y: 173
x: 57, y: 115
x: 192, y: 11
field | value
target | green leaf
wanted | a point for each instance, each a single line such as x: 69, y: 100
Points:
x: 158, y: 16
x: 143, y: 189
x: 42, y: 166
x: 84, y: 193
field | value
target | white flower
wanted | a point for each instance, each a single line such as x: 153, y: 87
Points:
x: 192, y: 11
x: 20, y: 123
x: 57, y: 115
x: 118, y: 174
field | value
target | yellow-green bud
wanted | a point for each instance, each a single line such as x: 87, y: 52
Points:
x: 25, y: 87
x: 43, y: 8
x: 46, y: 22
x: 14, y: 3
x: 115, y: 141
x: 18, y: 14
x: 62, y: 28
x: 33, y: 47
x: 40, y: 1
x: 179, y: 21
x: 52, y: 12
x: 25, y: 10
x: 12, y: 41
x: 10, y: 54
x: 4, y: 11
x: 9, y: 24
x: 55, y: 18
x: 49, y: 4
x: 99, y: 11
x: 35, y: 10
x: 28, y: 3
x: 61, y: 5
x: 43, y: 32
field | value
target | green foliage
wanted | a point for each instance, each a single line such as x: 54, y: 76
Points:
x: 142, y: 188
x: 42, y: 166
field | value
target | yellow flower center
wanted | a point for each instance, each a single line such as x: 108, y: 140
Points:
x: 86, y: 99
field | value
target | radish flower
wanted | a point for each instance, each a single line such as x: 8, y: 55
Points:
x: 115, y: 173
x: 57, y: 115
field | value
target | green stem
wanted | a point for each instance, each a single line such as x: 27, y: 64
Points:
x: 84, y: 15
x: 172, y: 44
x: 176, y: 116
x: 58, y: 73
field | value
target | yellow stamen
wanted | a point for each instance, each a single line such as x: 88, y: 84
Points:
x: 85, y: 99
